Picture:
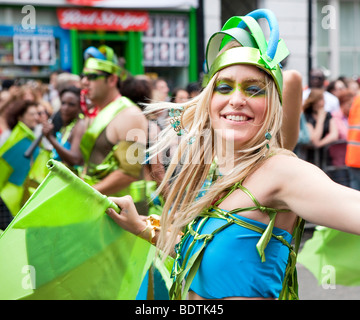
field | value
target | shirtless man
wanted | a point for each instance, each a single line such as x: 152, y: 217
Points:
x: 114, y: 140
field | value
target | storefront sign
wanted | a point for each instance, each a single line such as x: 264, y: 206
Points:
x: 136, y: 3
x: 110, y: 20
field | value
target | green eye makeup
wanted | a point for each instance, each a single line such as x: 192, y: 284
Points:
x: 224, y: 87
x: 252, y: 89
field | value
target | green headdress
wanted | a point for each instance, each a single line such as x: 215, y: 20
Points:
x: 103, y: 59
x: 255, y: 49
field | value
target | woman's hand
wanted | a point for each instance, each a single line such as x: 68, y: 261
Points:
x: 47, y: 129
x: 128, y: 218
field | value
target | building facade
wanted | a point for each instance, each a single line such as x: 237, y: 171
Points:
x: 39, y: 37
x: 319, y: 33
x: 168, y: 38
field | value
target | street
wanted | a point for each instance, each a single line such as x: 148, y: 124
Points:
x: 309, y: 289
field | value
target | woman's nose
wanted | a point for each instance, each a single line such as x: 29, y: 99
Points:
x: 237, y: 99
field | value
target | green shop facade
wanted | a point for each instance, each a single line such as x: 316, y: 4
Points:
x: 159, y: 43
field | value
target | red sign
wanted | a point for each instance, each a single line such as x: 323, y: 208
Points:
x: 102, y: 19
x: 84, y: 2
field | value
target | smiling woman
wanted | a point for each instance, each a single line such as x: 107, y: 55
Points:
x: 238, y: 106
x: 230, y: 221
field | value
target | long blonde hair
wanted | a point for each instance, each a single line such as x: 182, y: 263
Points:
x: 182, y: 204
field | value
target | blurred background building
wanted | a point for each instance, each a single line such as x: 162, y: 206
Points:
x: 167, y: 38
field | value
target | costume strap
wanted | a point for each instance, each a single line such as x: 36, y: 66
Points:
x: 100, y: 123
x: 290, y: 283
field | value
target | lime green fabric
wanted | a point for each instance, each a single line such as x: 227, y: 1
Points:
x: 62, y: 245
x: 330, y: 251
x: 19, y: 177
x: 101, y: 121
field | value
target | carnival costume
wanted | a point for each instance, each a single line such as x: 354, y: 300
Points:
x: 104, y: 59
x: 257, y: 260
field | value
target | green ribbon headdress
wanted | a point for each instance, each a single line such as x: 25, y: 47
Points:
x: 103, y: 59
x: 255, y: 49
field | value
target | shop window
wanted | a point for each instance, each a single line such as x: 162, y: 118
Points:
x: 23, y: 56
x: 166, y: 42
x: 346, y: 31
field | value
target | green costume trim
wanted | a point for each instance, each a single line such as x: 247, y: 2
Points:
x: 100, y: 123
x: 113, y: 159
x: 290, y: 286
x: 102, y: 65
x: 130, y: 155
x: 253, y: 50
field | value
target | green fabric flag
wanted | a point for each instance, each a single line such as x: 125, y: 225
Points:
x: 62, y: 245
x: 20, y: 176
x: 331, y: 255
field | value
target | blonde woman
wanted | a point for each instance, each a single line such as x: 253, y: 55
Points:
x: 233, y: 242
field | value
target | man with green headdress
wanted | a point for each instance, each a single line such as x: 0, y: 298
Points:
x: 114, y: 140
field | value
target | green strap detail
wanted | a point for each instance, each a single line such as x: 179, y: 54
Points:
x: 290, y: 286
x: 290, y: 283
x: 267, y: 234
x: 100, y: 123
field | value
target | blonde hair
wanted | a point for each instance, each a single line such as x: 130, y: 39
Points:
x: 182, y: 205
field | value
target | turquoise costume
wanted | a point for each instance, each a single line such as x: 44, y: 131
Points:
x: 242, y: 269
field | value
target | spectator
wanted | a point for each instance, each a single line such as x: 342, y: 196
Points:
x: 353, y: 85
x: 66, y: 140
x: 24, y: 111
x: 336, y: 87
x: 179, y: 95
x: 161, y: 94
x: 317, y: 81
x: 193, y: 89
x: 337, y: 150
x: 352, y: 158
x: 321, y: 126
x: 340, y: 117
x: 161, y: 90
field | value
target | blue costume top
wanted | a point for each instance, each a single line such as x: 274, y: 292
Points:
x: 231, y: 266
x: 222, y: 254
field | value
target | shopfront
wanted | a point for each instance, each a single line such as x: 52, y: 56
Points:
x: 149, y: 42
x: 33, y: 53
x: 158, y: 40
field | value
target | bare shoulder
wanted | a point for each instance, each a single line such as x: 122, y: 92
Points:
x: 129, y: 122
x: 286, y: 166
x: 130, y: 117
x: 288, y: 177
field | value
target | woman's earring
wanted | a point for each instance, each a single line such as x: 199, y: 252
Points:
x: 175, y: 120
x: 268, y: 136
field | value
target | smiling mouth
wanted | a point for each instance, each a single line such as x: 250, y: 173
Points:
x: 236, y: 118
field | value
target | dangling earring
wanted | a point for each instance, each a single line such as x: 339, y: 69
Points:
x: 175, y: 120
x: 268, y: 136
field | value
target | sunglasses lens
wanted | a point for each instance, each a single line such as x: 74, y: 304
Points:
x: 92, y: 76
